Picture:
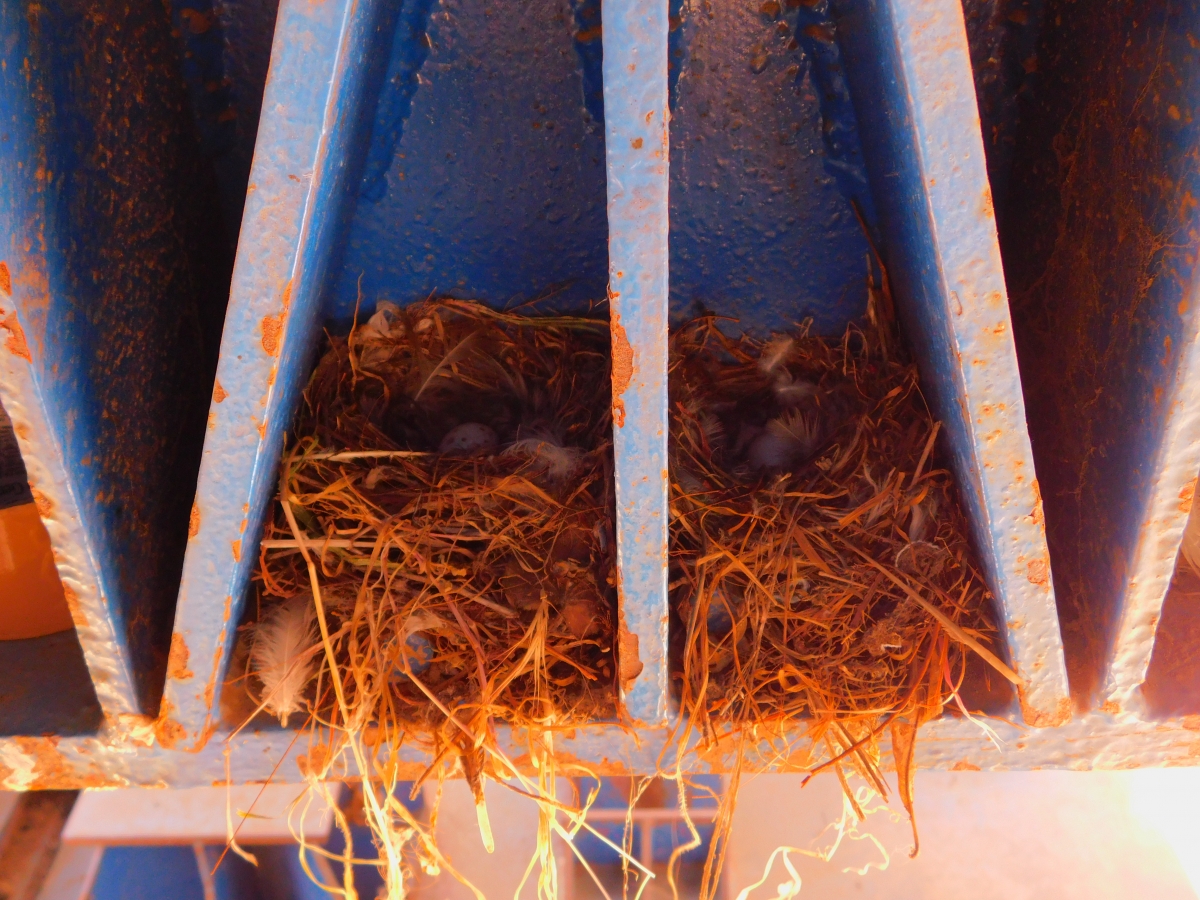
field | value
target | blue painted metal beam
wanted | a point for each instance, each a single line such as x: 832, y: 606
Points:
x: 766, y: 164
x: 637, y: 152
x: 909, y: 67
x: 122, y: 758
x: 111, y: 298
x: 298, y: 187
x: 1101, y: 247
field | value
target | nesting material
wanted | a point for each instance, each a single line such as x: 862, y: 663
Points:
x: 820, y: 569
x: 441, y: 554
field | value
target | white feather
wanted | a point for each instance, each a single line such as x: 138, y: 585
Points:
x: 281, y: 655
x: 559, y: 462
x: 775, y: 353
x: 792, y: 393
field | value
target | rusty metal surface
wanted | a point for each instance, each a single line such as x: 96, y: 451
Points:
x: 1107, y: 340
x: 108, y: 665
x: 484, y: 169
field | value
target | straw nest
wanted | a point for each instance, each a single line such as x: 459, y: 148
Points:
x: 820, y: 571
x: 441, y: 554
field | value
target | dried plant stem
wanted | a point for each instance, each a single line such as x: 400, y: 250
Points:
x: 945, y: 621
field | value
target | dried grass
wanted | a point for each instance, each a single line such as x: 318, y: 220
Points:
x: 821, y: 576
x: 446, y: 507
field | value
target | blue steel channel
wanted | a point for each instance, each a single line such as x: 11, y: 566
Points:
x: 293, y: 206
x: 637, y: 152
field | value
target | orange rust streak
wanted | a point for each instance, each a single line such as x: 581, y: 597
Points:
x: 622, y: 369
x: 177, y: 660
x: 272, y: 327
x: 54, y: 771
x: 74, y: 608
x: 16, y: 343
x: 167, y: 730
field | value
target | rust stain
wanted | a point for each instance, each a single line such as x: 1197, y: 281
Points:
x: 198, y: 22
x: 629, y: 660
x: 16, y: 337
x: 1111, y: 707
x: 1039, y: 719
x: 272, y: 327
x: 194, y: 519
x: 1038, y: 515
x: 228, y: 607
x: 5, y: 279
x: 1038, y: 571
x: 219, y: 393
x: 1186, y: 495
x: 987, y: 208
x: 52, y: 770
x: 636, y: 143
x: 237, y: 551
x: 73, y: 607
x: 622, y: 368
x: 167, y: 731
x: 177, y: 659
x: 287, y: 296
x: 210, y: 728
x: 210, y: 689
x: 963, y: 766
x: 45, y: 506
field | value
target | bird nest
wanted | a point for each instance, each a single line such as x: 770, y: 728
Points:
x: 821, y: 574
x: 440, y: 557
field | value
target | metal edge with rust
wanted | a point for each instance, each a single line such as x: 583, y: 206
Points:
x: 911, y: 71
x: 25, y: 290
x: 126, y: 755
x: 636, y: 149
x: 269, y: 329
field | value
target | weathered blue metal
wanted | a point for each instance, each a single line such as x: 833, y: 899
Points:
x: 111, y: 301
x: 484, y: 175
x: 766, y: 163
x: 409, y: 147
x: 128, y: 757
x: 1003, y: 37
x: 909, y: 67
x: 636, y: 141
x: 295, y: 201
x: 1100, y: 250
x: 328, y: 207
x: 330, y: 202
x: 226, y: 48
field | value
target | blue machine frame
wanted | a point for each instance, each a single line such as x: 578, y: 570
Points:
x: 405, y: 147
